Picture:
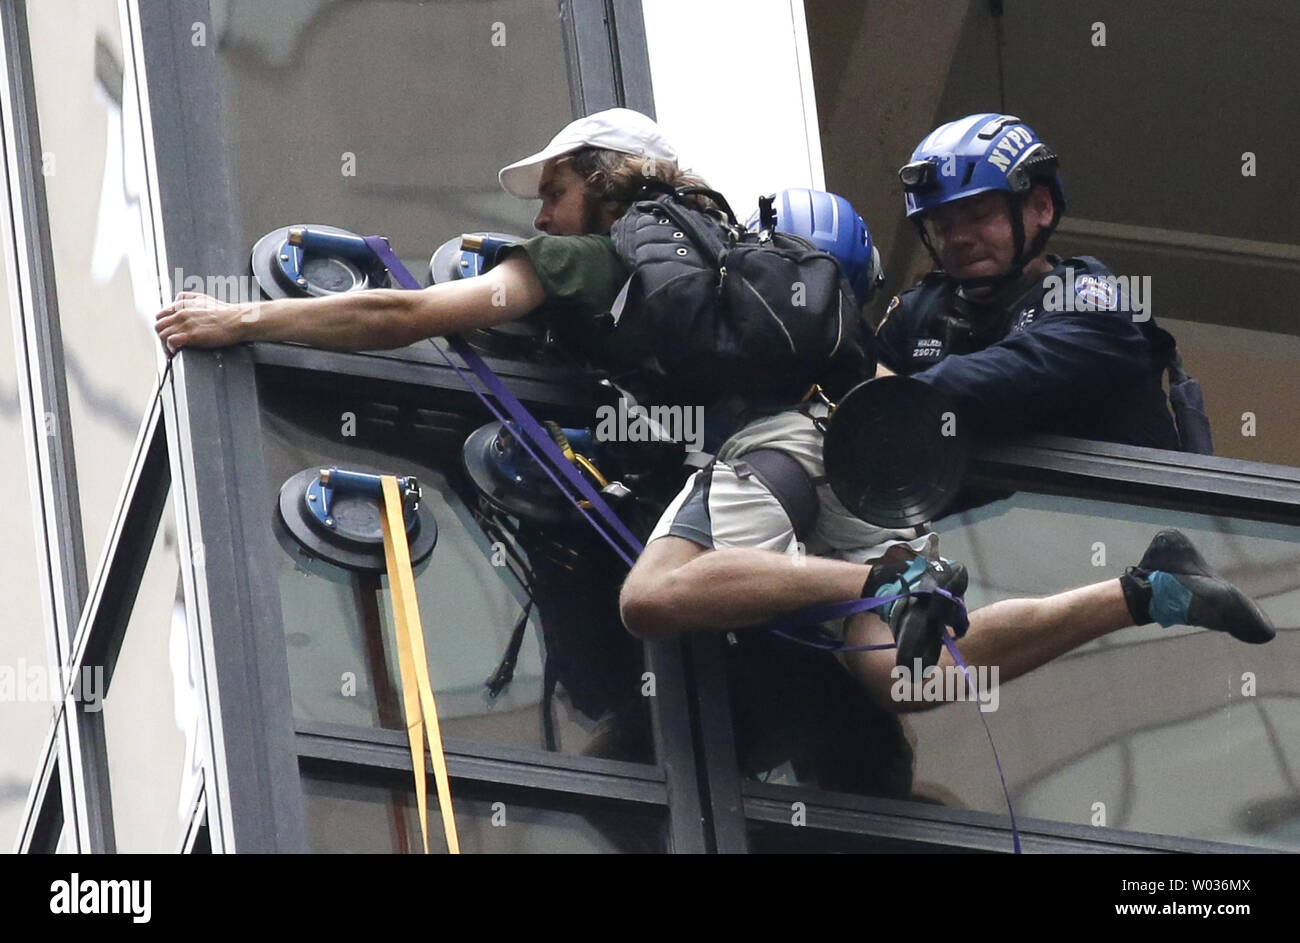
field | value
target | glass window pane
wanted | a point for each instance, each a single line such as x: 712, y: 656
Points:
x: 1175, y: 731
x: 1159, y: 216
x: 337, y: 622
x: 372, y: 115
x: 25, y: 710
x: 151, y: 711
x: 1111, y: 733
x: 104, y: 270
x: 355, y: 817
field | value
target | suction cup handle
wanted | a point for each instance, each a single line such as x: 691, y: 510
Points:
x: 337, y: 481
x: 335, y: 244
x: 488, y: 247
x: 302, y: 240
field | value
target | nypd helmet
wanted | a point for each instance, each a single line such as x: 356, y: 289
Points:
x: 977, y: 154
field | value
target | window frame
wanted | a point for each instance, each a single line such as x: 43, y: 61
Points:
x: 254, y: 798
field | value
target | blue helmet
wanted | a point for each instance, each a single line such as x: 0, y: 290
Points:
x: 831, y: 224
x: 977, y: 154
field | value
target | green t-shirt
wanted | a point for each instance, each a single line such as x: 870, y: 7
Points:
x: 582, y: 274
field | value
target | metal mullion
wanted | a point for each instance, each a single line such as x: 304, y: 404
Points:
x: 51, y: 463
x: 898, y: 820
x: 553, y: 389
x: 197, y: 817
x: 254, y: 794
x: 670, y: 717
x: 38, y: 298
x: 133, y: 45
x: 99, y: 635
x: 411, y: 363
x: 49, y: 822
x: 477, y: 769
x: 108, y: 611
x: 717, y: 745
x: 593, y: 84
x: 633, y: 55
x: 495, y: 752
x: 255, y: 802
x: 50, y: 579
x: 46, y: 770
x: 1226, y: 484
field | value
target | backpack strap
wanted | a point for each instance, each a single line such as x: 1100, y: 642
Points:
x: 717, y: 198
x: 794, y: 489
x: 652, y: 185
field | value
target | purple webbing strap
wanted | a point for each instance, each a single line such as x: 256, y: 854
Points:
x: 534, y: 434
x: 1006, y: 793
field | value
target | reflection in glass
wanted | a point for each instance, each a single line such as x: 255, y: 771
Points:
x: 362, y: 818
x: 389, y: 117
x: 94, y: 180
x: 578, y: 691
x: 1175, y: 731
x: 152, y: 710
x: 25, y: 711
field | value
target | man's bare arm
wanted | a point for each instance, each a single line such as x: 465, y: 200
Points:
x: 371, y: 320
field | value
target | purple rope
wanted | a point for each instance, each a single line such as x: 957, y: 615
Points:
x: 1006, y: 793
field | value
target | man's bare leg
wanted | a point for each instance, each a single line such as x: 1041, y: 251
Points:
x: 1016, y: 635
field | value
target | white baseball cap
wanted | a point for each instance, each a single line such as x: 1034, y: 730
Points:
x: 616, y: 129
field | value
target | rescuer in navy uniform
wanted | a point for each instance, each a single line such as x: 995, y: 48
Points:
x: 1020, y: 340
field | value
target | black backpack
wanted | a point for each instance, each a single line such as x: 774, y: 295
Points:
x: 715, y: 310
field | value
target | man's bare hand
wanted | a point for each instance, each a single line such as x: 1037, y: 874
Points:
x: 198, y: 320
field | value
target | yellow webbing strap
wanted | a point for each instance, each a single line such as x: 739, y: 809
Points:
x: 417, y: 691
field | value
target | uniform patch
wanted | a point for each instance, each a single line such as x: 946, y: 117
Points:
x: 927, y: 348
x: 1024, y: 319
x: 1092, y: 291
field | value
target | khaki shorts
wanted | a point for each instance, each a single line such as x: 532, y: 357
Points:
x: 718, y: 509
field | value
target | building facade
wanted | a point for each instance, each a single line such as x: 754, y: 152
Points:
x: 177, y: 674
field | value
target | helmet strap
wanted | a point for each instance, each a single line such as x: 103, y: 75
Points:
x: 925, y: 241
x: 1023, y: 255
